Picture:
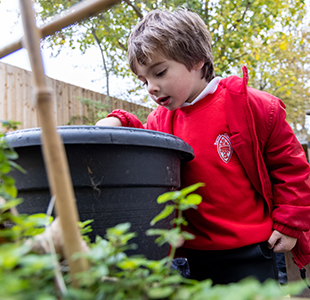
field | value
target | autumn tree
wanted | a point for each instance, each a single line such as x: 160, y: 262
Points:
x: 284, y: 71
x: 261, y: 34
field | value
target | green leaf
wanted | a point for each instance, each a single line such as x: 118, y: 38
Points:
x: 11, y: 254
x: 154, y: 278
x: 194, y: 199
x: 11, y: 190
x: 18, y: 167
x: 131, y: 263
x: 33, y: 231
x: 10, y: 154
x: 173, y: 279
x: 85, y: 227
x: 128, y: 236
x: 188, y: 236
x: 33, y: 263
x: 160, y: 292
x: 156, y: 231
x: 8, y: 180
x: 168, y: 210
x: 191, y: 188
x: 180, y: 221
x: 5, y: 168
x: 9, y: 204
x: 183, y: 293
x: 191, y: 201
x: 40, y: 219
x: 119, y: 229
x: 101, y: 271
x: 168, y: 196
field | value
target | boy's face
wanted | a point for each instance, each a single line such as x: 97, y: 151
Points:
x: 169, y: 82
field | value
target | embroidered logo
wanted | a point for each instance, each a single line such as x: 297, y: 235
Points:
x: 224, y: 147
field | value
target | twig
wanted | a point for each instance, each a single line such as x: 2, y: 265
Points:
x: 58, y: 276
x: 138, y: 12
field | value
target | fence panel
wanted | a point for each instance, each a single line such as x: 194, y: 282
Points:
x: 17, y: 104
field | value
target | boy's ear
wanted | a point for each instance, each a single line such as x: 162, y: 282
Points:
x: 199, y: 65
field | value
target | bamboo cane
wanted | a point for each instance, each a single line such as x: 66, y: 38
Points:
x: 53, y: 149
x: 74, y: 14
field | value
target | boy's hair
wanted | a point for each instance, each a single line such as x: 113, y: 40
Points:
x: 180, y: 35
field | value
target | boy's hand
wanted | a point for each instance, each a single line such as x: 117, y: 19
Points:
x: 280, y: 242
x: 111, y: 121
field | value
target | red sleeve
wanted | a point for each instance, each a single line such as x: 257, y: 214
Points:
x: 130, y: 120
x: 127, y: 119
x: 289, y: 173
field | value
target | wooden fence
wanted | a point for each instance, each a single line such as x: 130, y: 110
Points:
x: 17, y: 104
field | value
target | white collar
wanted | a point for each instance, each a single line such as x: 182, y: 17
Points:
x: 209, y: 89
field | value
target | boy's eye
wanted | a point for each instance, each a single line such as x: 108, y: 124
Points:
x: 161, y: 73
x: 144, y: 83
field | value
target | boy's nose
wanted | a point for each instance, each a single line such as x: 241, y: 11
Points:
x: 152, y: 88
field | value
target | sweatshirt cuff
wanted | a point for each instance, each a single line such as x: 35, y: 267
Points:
x: 287, y: 230
x: 120, y: 115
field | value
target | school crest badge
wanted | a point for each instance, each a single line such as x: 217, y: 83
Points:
x: 224, y: 147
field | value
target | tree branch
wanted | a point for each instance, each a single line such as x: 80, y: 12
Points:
x: 241, y: 55
x: 246, y: 8
x: 122, y: 46
x: 104, y: 66
x: 243, y: 15
x: 136, y: 9
x: 207, y: 13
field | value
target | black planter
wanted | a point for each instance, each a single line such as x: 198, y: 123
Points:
x: 117, y: 174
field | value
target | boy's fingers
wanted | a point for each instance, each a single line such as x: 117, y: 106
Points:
x: 273, y: 239
x: 279, y: 247
x: 280, y: 242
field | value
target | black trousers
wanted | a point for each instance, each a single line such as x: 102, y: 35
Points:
x: 227, y: 266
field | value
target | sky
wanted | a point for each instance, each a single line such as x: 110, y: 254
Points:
x: 70, y: 66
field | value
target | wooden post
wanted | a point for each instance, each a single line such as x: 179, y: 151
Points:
x: 53, y: 149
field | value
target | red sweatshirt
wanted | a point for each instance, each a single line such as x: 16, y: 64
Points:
x: 254, y: 152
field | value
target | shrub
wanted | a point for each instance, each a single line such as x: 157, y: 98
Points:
x: 113, y: 274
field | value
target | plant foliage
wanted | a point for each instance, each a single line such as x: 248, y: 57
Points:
x: 113, y: 275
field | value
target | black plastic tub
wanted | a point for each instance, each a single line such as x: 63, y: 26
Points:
x: 117, y: 175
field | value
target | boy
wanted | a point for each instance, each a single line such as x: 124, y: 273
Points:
x: 256, y: 200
